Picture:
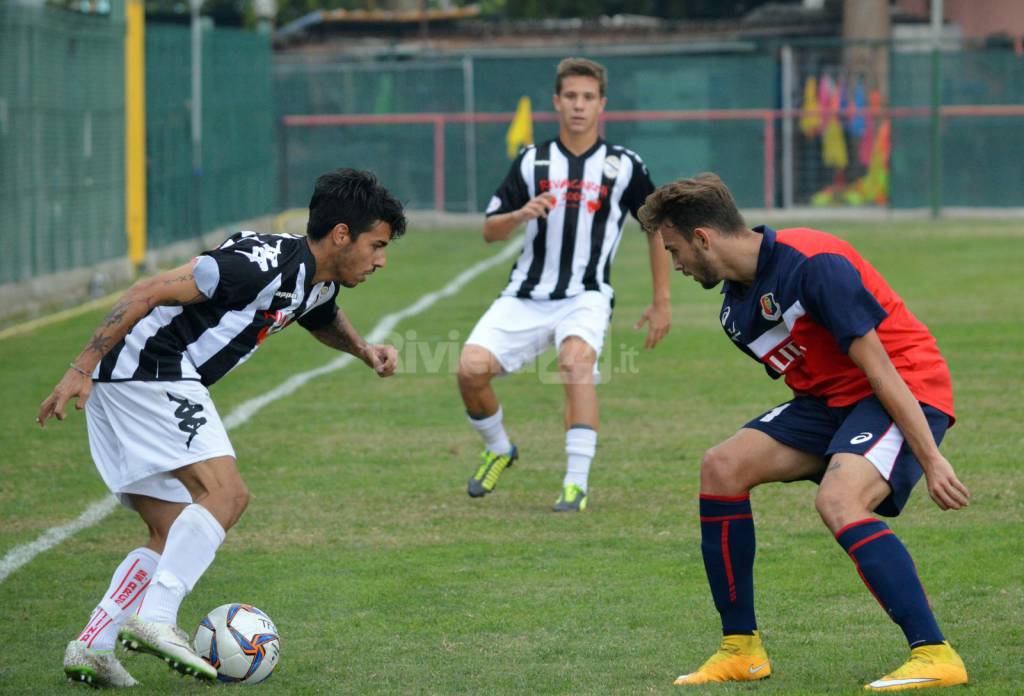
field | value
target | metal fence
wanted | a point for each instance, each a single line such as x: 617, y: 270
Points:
x: 61, y: 140
x: 236, y: 177
x: 434, y: 129
x: 62, y: 137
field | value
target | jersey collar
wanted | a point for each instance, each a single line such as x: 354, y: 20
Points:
x: 764, y: 256
x: 583, y: 156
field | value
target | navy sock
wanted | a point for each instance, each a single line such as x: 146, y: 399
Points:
x: 727, y: 544
x: 887, y: 569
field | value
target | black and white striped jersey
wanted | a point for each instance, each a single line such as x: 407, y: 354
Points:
x: 571, y: 250
x: 256, y: 284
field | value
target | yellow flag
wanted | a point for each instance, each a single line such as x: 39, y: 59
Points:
x: 521, y: 131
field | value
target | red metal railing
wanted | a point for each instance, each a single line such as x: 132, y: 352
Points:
x: 767, y: 116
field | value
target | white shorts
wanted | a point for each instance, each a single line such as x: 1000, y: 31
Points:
x: 519, y: 330
x: 139, y: 432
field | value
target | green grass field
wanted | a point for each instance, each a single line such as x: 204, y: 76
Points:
x: 385, y: 578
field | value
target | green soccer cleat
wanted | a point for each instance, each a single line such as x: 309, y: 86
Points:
x: 573, y: 499
x: 486, y: 476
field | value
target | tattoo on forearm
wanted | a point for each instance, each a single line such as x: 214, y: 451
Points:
x: 116, y: 315
x: 99, y: 344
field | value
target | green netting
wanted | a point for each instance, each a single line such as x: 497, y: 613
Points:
x: 236, y: 180
x: 61, y: 140
x: 403, y: 155
x: 981, y: 156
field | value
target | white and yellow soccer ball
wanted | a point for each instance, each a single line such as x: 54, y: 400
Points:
x: 240, y: 641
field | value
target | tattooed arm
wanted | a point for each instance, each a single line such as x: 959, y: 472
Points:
x: 341, y: 335
x: 176, y: 287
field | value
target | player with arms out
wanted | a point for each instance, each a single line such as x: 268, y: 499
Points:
x: 154, y: 432
x: 573, y: 193
x: 872, y: 399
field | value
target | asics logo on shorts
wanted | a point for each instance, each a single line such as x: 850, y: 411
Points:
x: 186, y: 411
x: 861, y: 439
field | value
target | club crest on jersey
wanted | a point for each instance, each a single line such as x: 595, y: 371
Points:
x: 770, y: 309
x: 611, y: 166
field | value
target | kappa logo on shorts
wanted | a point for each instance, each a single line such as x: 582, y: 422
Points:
x: 861, y: 439
x: 186, y: 411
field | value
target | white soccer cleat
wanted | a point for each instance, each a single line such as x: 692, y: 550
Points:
x: 168, y: 642
x: 97, y: 668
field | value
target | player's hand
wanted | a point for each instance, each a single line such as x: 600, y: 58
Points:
x: 538, y: 206
x: 943, y: 485
x: 72, y: 384
x: 659, y: 320
x: 383, y: 359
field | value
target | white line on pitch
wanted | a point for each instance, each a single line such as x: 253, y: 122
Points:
x: 20, y: 555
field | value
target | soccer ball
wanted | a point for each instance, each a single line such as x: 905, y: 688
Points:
x: 240, y: 641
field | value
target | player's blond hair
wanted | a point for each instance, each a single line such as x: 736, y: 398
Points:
x: 686, y: 204
x: 583, y: 67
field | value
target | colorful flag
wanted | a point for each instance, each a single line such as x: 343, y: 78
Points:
x: 521, y: 131
x: 810, y: 113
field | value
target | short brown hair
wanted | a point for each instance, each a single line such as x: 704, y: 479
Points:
x: 687, y: 204
x: 582, y: 67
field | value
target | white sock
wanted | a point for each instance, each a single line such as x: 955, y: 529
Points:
x: 192, y: 542
x: 127, y: 585
x: 493, y: 432
x: 580, y: 445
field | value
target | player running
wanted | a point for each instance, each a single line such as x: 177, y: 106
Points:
x: 872, y: 400
x: 573, y: 193
x: 154, y: 432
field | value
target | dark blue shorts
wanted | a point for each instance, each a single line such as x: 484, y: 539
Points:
x: 865, y: 428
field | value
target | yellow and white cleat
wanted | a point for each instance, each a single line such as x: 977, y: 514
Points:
x: 739, y: 658
x: 928, y: 666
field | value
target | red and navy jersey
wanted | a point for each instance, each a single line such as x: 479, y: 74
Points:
x: 811, y: 297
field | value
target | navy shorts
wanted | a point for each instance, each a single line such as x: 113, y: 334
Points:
x: 865, y: 428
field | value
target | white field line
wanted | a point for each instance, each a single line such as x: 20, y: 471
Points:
x: 29, y: 326
x: 20, y: 555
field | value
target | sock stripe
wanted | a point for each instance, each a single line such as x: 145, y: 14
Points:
x: 865, y: 540
x: 725, y: 498
x: 728, y: 562
x: 94, y: 620
x: 867, y: 584
x: 98, y: 632
x: 127, y: 575
x: 845, y: 528
x: 726, y: 518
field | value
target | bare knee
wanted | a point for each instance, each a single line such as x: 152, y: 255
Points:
x: 476, y: 368
x: 576, y: 361
x: 722, y: 472
x: 838, y: 507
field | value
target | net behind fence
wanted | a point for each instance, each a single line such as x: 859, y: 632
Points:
x: 61, y: 140
x: 474, y: 153
x: 857, y: 152
x: 236, y: 177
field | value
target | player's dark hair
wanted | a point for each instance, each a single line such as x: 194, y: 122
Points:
x: 355, y: 198
x: 580, y: 67
x: 686, y: 204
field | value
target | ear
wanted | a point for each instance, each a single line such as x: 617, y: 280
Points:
x: 340, y: 234
x: 702, y: 237
x: 554, y: 101
x: 604, y: 102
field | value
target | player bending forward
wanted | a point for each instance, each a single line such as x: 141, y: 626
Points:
x: 872, y: 400
x: 154, y: 432
x: 573, y: 193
